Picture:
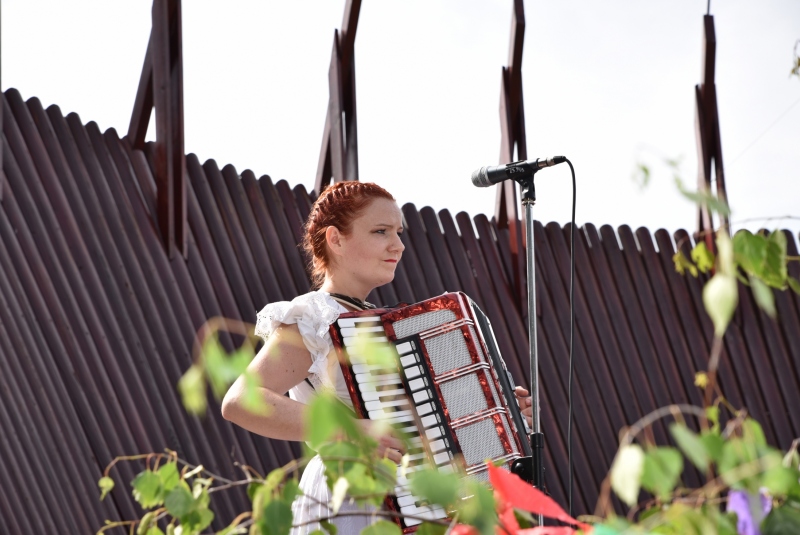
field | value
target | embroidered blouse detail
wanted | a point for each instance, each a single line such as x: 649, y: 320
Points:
x: 313, y: 313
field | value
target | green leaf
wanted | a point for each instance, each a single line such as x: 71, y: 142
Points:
x: 479, y: 509
x: 794, y: 284
x: 106, y: 485
x: 215, y: 362
x: 736, y: 452
x: 702, y: 257
x: 382, y: 527
x: 330, y: 528
x: 154, y: 530
x: 662, y: 468
x: 334, y: 468
x: 712, y: 413
x: 197, y: 520
x: 147, y: 489
x: 427, y: 528
x: 764, y: 297
x: 775, y: 270
x: 781, y: 521
x: 169, y: 476
x: 626, y: 473
x: 327, y: 417
x: 291, y: 490
x: 780, y: 480
x: 179, y: 502
x: 193, y: 391
x: 714, y: 204
x: 435, y: 487
x: 713, y: 443
x: 753, y: 433
x: 762, y: 257
x: 145, y: 523
x: 682, y: 264
x: 277, y: 519
x: 691, y: 445
x: 720, y: 296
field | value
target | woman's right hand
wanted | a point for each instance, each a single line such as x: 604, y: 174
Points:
x: 389, y: 446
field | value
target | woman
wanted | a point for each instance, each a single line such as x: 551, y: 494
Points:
x: 353, y: 238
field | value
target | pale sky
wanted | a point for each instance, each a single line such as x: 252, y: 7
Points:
x: 607, y: 84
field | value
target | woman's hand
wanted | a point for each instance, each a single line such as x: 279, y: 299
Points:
x: 389, y: 446
x: 525, y: 403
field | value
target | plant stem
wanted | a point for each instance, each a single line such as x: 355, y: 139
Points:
x: 713, y: 364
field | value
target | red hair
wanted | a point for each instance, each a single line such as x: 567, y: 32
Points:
x: 338, y: 205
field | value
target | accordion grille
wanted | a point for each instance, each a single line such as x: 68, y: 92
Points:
x: 448, y: 351
x: 463, y: 396
x: 479, y: 442
x: 421, y: 322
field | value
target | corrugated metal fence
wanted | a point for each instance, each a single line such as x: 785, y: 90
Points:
x: 97, y: 323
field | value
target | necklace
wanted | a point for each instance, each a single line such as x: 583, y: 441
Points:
x: 352, y: 301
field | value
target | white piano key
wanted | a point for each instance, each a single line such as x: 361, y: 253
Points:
x: 408, y: 499
x: 411, y: 430
x: 416, y: 384
x: 429, y: 421
x: 436, y: 445
x: 426, y: 512
x: 367, y: 368
x: 371, y: 377
x: 353, y: 343
x: 421, y: 396
x: 433, y: 433
x: 372, y: 396
x: 405, y: 347
x: 417, y: 456
x: 350, y: 322
x: 441, y: 458
x: 375, y: 405
x: 373, y: 386
x: 412, y: 372
x: 399, y: 420
x: 424, y: 409
x: 354, y: 332
x: 408, y: 360
x: 383, y: 415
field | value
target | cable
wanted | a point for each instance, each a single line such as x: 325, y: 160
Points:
x: 571, y: 333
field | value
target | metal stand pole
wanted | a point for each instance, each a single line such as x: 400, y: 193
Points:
x: 532, y: 469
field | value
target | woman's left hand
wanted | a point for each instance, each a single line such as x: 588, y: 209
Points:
x: 525, y: 403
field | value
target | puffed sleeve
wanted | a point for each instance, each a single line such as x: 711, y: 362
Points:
x: 313, y: 313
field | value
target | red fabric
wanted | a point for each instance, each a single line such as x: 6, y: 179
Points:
x: 516, y: 493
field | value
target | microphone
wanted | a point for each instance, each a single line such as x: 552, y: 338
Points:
x: 488, y: 176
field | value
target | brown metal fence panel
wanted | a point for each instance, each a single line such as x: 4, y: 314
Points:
x: 97, y: 323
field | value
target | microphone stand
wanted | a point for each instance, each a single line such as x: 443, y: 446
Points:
x: 531, y: 469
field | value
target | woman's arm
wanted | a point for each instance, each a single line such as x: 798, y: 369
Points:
x: 282, y: 363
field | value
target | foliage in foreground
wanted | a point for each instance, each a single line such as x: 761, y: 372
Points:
x: 750, y: 487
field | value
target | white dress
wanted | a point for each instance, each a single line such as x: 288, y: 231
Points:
x: 313, y: 313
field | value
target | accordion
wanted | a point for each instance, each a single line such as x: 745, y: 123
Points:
x: 446, y: 386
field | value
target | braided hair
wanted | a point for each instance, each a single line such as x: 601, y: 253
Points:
x: 338, y: 205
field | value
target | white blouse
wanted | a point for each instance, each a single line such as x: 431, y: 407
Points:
x: 313, y: 313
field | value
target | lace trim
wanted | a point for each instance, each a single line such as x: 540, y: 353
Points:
x: 313, y: 313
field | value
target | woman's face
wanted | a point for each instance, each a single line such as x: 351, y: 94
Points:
x: 368, y: 255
